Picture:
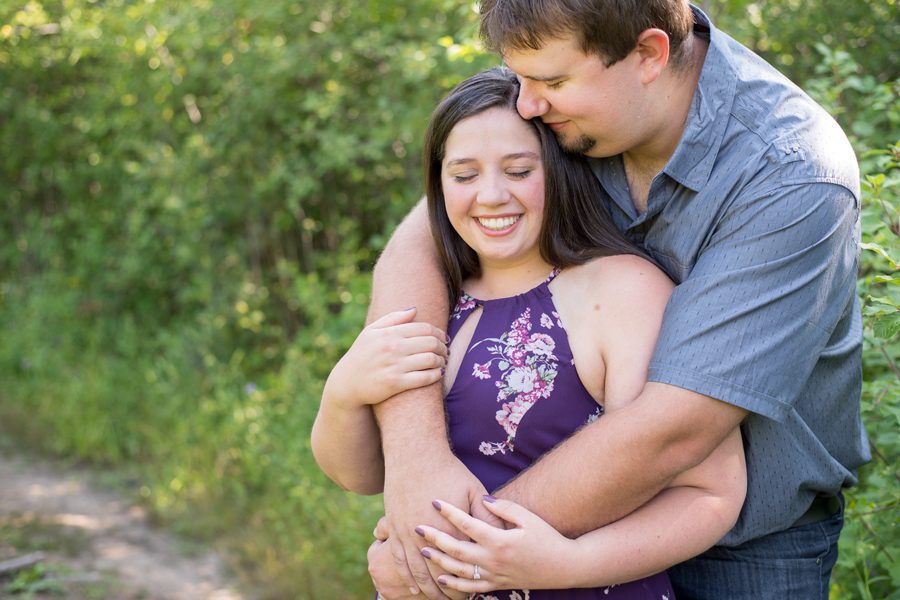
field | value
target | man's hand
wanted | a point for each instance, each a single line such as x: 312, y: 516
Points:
x: 385, y: 577
x: 409, y: 491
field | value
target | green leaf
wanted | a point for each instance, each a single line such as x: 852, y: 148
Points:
x: 887, y: 326
x: 876, y: 248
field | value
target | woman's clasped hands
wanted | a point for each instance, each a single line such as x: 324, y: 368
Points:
x: 522, y: 555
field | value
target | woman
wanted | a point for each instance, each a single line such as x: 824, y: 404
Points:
x: 556, y: 318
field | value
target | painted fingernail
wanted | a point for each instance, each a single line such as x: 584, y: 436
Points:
x: 442, y: 580
x: 420, y: 531
x: 489, y: 498
x: 425, y: 553
x: 436, y: 504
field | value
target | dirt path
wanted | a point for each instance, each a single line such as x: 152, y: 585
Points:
x: 97, y: 545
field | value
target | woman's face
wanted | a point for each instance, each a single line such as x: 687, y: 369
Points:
x: 493, y: 182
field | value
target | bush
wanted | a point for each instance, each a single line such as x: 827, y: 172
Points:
x: 194, y: 195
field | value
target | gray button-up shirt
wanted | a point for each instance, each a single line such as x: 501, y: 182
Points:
x: 756, y: 218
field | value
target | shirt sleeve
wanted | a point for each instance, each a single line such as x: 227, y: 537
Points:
x: 763, y: 299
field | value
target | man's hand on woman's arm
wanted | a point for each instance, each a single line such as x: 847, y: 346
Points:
x: 419, y: 465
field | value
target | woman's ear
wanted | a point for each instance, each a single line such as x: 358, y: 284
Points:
x: 653, y: 50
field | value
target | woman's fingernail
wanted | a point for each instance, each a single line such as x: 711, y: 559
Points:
x: 489, y: 498
x: 414, y: 590
x: 420, y: 531
x: 442, y: 580
x: 436, y: 504
x: 425, y: 553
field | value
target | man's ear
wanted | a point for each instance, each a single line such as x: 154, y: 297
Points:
x: 653, y: 50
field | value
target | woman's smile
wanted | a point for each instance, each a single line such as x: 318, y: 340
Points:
x: 498, y: 225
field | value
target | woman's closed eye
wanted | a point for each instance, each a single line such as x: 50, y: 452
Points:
x: 463, y: 178
x: 519, y: 173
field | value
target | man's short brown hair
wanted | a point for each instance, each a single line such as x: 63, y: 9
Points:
x: 607, y: 28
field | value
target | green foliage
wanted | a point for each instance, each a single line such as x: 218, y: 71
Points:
x: 31, y: 581
x: 868, y: 565
x: 193, y: 196
x: 197, y: 194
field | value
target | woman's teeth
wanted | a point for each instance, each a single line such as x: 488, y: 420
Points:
x: 497, y: 223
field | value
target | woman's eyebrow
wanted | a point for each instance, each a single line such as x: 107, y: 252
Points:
x: 531, y: 155
x: 459, y: 161
x: 514, y: 155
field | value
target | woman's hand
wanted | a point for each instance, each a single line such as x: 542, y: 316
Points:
x: 529, y: 554
x: 391, y: 355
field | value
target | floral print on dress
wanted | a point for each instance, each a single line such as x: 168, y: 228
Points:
x: 515, y: 595
x: 598, y: 412
x: 546, y: 321
x: 465, y: 303
x: 525, y: 369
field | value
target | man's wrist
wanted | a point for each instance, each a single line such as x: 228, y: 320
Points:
x: 418, y: 455
x: 412, y: 426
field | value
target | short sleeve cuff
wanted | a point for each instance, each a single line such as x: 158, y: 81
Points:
x: 724, y: 391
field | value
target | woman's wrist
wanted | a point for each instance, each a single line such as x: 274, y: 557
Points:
x: 579, y: 566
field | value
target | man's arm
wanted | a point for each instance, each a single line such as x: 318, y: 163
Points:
x: 662, y: 433
x: 778, y: 270
x: 419, y: 465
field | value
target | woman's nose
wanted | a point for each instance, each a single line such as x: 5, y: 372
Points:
x: 493, y: 191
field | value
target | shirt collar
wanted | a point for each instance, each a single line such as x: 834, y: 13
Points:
x: 704, y: 128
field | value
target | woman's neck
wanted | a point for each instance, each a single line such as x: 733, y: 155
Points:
x: 504, y: 280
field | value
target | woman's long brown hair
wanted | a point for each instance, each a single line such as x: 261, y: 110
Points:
x: 576, y: 226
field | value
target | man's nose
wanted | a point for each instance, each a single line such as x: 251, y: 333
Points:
x: 529, y: 103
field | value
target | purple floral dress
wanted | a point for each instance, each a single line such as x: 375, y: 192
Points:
x: 516, y: 396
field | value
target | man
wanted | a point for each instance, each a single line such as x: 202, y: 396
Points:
x: 747, y: 194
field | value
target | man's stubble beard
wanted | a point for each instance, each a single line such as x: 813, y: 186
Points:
x: 581, y: 145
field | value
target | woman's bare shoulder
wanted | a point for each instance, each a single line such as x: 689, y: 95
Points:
x: 622, y: 276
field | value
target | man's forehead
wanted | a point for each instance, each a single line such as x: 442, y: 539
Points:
x: 557, y: 57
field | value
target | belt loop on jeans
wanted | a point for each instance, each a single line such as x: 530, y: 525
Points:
x: 822, y: 507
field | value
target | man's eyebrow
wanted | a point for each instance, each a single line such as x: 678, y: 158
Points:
x: 543, y: 77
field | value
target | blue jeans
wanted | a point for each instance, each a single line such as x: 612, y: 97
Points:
x: 794, y: 563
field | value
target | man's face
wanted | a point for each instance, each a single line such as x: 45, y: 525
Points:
x: 593, y: 109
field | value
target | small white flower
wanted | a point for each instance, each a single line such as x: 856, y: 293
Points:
x: 546, y: 321
x: 481, y: 371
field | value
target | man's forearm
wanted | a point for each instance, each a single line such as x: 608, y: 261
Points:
x: 623, y: 459
x: 408, y: 274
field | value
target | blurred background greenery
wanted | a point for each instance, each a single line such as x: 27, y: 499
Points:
x: 193, y: 195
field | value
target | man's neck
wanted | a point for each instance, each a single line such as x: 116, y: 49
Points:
x: 643, y: 162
